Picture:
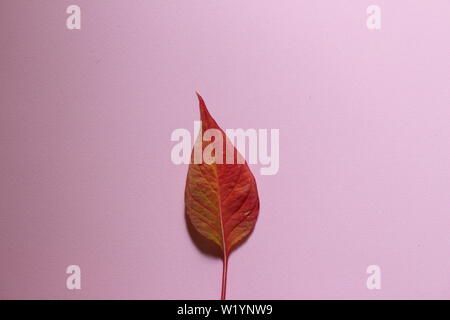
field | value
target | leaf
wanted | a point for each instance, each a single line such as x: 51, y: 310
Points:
x: 221, y: 198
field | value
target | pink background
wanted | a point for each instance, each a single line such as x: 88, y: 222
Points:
x: 86, y: 118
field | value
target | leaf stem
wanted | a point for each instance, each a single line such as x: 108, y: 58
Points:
x: 224, y: 276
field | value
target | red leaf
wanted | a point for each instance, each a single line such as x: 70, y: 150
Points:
x: 221, y: 198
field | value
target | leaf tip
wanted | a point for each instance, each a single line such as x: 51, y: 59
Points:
x: 205, y: 116
x: 201, y: 102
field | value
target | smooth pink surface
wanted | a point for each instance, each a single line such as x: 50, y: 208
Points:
x: 86, y: 118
